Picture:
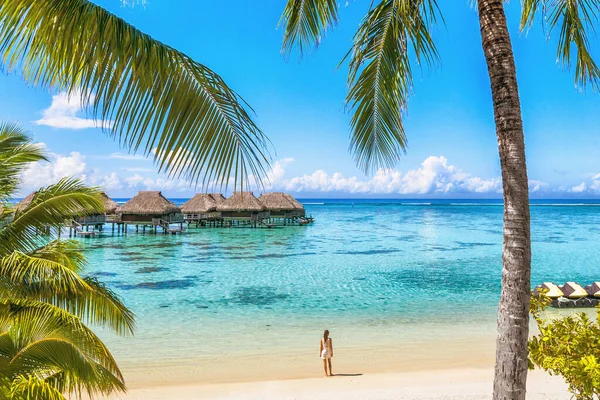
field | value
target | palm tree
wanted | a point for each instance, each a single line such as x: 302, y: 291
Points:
x: 151, y: 97
x: 46, y: 349
x: 380, y: 80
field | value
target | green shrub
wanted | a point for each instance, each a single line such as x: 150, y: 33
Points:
x: 568, y: 346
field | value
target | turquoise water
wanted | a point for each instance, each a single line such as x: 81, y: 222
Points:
x: 363, y: 266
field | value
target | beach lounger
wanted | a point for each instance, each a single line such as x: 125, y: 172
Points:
x: 554, y: 291
x: 574, y: 290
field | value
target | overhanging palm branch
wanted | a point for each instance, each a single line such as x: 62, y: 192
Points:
x: 46, y: 350
x: 305, y: 21
x: 156, y: 99
x: 380, y: 74
x: 46, y: 275
x: 577, y: 20
x: 48, y: 342
x: 33, y: 387
x: 16, y: 151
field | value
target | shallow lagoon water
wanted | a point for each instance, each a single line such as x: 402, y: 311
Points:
x: 373, y: 272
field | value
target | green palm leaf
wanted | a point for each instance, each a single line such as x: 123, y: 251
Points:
x: 576, y: 19
x: 48, y: 341
x: 46, y: 350
x: 34, y: 387
x: 50, y: 207
x: 16, y: 151
x: 304, y: 22
x: 52, y: 280
x: 159, y: 101
x: 380, y: 76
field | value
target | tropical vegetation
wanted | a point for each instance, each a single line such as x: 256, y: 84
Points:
x: 393, y: 37
x: 47, y: 350
x: 148, y: 96
x: 568, y: 346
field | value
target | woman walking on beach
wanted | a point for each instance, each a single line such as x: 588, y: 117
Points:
x: 326, y: 352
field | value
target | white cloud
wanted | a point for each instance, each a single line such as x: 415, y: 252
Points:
x: 62, y: 113
x: 139, y: 169
x: 72, y: 165
x: 127, y: 157
x: 579, y: 188
x: 434, y: 176
x: 46, y: 173
x: 536, y: 186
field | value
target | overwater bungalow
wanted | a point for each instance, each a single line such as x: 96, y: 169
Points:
x: 298, y: 207
x: 25, y: 202
x: 201, y: 208
x: 242, y: 208
x: 151, y: 208
x: 109, y: 215
x: 218, y: 197
x: 279, y: 205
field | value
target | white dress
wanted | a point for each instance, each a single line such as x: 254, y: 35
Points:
x: 326, y: 352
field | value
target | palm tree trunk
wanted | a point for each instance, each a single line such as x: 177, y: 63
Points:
x: 513, y: 312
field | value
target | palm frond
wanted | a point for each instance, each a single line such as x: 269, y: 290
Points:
x: 577, y: 20
x: 32, y: 321
x: 50, y: 207
x: 16, y: 152
x: 36, y: 278
x: 380, y: 76
x: 305, y: 21
x: 34, y: 387
x: 158, y: 100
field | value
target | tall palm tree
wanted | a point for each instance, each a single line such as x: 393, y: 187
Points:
x: 153, y: 98
x: 380, y: 80
x: 46, y: 349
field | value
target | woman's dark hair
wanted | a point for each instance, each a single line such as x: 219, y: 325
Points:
x: 326, y: 334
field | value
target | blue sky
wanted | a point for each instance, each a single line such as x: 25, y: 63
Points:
x: 300, y: 105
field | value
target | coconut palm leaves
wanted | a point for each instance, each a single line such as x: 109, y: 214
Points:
x: 46, y: 349
x: 16, y: 150
x: 576, y: 19
x: 380, y: 77
x: 151, y: 97
x: 380, y: 73
x: 304, y: 20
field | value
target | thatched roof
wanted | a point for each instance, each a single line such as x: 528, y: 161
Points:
x: 110, y: 206
x: 25, y: 202
x: 296, y: 203
x: 241, y: 201
x: 148, y: 202
x: 200, y: 203
x: 219, y: 198
x: 276, y: 201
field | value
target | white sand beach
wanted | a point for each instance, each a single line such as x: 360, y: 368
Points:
x: 454, y: 384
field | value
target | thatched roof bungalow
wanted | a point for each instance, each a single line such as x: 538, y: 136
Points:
x: 199, y: 204
x: 298, y: 207
x: 23, y: 204
x: 200, y: 207
x: 147, y: 206
x: 242, y: 205
x: 218, y: 197
x: 278, y: 204
x: 110, y: 206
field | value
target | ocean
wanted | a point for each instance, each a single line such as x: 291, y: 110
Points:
x: 379, y: 274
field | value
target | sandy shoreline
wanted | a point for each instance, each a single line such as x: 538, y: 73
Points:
x: 453, y: 384
x: 293, y: 364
